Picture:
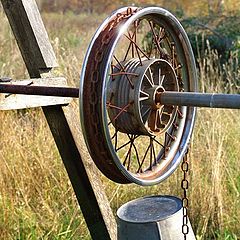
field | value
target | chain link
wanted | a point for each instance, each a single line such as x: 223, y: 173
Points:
x: 185, y: 201
x: 93, y: 85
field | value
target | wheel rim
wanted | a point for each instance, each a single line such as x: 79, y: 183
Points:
x: 134, y: 55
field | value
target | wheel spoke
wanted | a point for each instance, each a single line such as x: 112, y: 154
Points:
x: 179, y: 66
x: 151, y: 154
x: 123, y: 69
x: 162, y: 79
x: 168, y: 42
x: 115, y: 66
x: 137, y: 155
x: 110, y: 105
x: 162, y: 34
x: 159, y: 77
x: 129, y: 47
x: 137, y: 47
x: 159, y: 122
x: 122, y: 111
x: 151, y: 75
x: 155, y: 140
x: 125, y: 144
x: 115, y: 137
x: 134, y: 46
x: 154, y: 121
x: 143, y: 96
x: 146, y: 112
x: 148, y: 80
x: 165, y: 144
x: 173, y: 56
x: 173, y: 138
x: 128, y: 156
x: 154, y: 154
x: 134, y: 38
x: 124, y: 73
x: 129, y: 159
x: 150, y: 48
x: 180, y: 114
x: 155, y: 38
x: 153, y: 159
x: 143, y: 160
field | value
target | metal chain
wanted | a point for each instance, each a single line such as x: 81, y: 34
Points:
x: 93, y: 74
x: 185, y: 201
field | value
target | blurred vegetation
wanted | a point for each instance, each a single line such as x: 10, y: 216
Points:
x: 36, y: 197
x: 220, y: 32
x: 190, y: 8
x: 215, y: 21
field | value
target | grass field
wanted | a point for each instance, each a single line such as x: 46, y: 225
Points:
x: 36, y: 197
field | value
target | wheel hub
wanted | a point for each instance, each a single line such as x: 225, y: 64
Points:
x: 132, y: 90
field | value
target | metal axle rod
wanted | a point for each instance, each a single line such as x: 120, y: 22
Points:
x: 39, y: 90
x: 195, y: 99
x: 212, y: 100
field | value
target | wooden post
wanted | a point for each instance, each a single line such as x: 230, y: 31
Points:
x: 38, y: 55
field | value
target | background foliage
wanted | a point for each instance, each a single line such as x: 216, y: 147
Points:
x: 36, y: 197
x: 194, y: 7
x: 215, y: 20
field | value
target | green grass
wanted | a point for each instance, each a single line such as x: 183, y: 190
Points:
x: 36, y: 197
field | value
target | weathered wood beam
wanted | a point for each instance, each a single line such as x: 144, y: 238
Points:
x: 16, y: 101
x: 39, y: 57
x: 85, y: 177
x: 31, y: 35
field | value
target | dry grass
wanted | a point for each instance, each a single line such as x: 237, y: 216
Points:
x: 36, y: 198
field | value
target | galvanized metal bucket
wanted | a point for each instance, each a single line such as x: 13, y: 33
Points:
x: 152, y: 218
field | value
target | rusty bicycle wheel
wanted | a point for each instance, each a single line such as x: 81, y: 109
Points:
x: 135, y: 55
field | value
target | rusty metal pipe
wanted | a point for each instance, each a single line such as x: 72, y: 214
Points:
x: 211, y: 100
x: 39, y: 90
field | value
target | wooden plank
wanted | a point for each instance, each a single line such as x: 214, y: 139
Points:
x: 16, y: 101
x: 66, y: 131
x: 64, y: 123
x: 31, y: 35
